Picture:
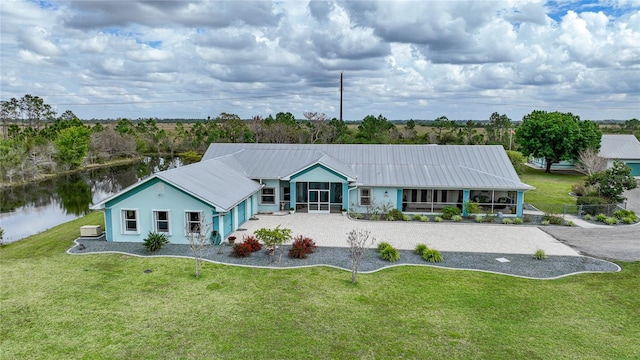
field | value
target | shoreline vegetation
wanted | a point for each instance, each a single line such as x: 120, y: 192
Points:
x: 43, y: 177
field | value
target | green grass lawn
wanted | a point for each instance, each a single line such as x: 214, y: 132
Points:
x: 55, y: 305
x: 552, y: 190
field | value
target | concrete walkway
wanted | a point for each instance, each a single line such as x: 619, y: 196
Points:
x: 332, y: 229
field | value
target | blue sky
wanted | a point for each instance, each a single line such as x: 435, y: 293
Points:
x: 401, y: 59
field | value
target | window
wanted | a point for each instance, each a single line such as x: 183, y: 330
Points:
x: 268, y: 196
x: 193, y: 221
x: 365, y: 197
x: 130, y: 221
x: 161, y: 221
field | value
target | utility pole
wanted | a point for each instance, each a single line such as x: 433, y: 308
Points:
x: 341, y: 96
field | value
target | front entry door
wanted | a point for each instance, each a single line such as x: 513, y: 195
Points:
x: 318, y: 201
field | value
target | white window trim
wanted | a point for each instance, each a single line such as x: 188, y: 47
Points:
x: 123, y: 222
x: 186, y: 219
x: 155, y: 221
x: 370, y: 196
x: 275, y: 195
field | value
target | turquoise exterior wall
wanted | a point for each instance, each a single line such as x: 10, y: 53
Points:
x: 275, y: 183
x: 158, y: 195
x: 318, y: 173
x: 380, y: 196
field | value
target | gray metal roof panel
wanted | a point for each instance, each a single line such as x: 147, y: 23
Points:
x: 378, y: 165
x: 619, y: 147
x: 212, y: 181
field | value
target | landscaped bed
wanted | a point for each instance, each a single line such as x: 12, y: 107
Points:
x: 519, y: 264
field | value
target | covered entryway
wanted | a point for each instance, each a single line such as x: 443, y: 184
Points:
x: 319, y: 200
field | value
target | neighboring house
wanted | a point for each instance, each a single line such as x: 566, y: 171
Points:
x: 623, y: 147
x: 235, y: 181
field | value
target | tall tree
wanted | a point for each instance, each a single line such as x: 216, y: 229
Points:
x: 498, y: 129
x: 9, y: 115
x: 72, y: 145
x: 556, y: 136
x: 374, y: 129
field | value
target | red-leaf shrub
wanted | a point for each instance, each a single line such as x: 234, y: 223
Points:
x: 252, y: 242
x: 241, y: 250
x: 301, y: 247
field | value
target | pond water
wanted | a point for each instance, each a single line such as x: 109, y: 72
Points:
x: 33, y: 208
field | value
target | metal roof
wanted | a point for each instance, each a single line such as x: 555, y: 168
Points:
x: 424, y: 166
x: 619, y: 147
x: 212, y: 181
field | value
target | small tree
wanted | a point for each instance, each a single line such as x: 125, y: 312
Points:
x: 612, y: 182
x: 198, y: 239
x: 590, y: 162
x: 1, y: 236
x: 359, y: 241
x: 272, y: 238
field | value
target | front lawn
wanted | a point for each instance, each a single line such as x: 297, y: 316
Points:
x: 552, y: 190
x: 55, y: 305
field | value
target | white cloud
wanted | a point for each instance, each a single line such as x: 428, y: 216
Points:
x: 404, y: 59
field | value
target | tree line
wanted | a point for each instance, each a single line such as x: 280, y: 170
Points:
x: 36, y: 142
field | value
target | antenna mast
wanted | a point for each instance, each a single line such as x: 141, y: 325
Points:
x: 341, y: 96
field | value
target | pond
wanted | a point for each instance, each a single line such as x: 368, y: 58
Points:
x: 36, y: 207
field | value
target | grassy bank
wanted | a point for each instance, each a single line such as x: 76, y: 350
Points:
x: 55, y: 305
x: 552, y: 190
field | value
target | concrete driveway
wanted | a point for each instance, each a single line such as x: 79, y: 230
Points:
x: 332, y: 229
x: 612, y: 243
x: 633, y: 199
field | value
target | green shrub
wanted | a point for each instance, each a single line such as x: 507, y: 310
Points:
x: 517, y: 221
x: 629, y: 220
x: 417, y: 217
x: 390, y: 254
x: 383, y: 245
x: 479, y: 219
x: 490, y: 218
x: 358, y: 216
x: 507, y: 221
x: 539, y: 255
x: 420, y: 248
x: 449, y: 212
x: 375, y: 217
x: 424, y: 218
x: 545, y: 222
x: 437, y: 219
x: 432, y: 255
x: 406, y: 217
x: 593, y: 205
x: 569, y: 223
x: 154, y: 241
x: 395, y: 215
x: 472, y: 207
x: 621, y: 214
x: 587, y: 217
x: 456, y: 218
x: 611, y: 221
x: 553, y: 219
x: 601, y: 218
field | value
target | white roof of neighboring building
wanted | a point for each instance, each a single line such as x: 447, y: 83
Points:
x: 619, y: 147
x: 425, y: 166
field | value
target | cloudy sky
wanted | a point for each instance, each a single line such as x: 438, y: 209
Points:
x: 401, y: 59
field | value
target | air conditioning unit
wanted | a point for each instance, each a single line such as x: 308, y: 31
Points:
x: 90, y: 230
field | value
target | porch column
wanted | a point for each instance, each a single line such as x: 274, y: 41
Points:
x: 520, y: 205
x: 465, y: 199
x: 292, y: 194
x: 345, y: 196
x: 399, y: 200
